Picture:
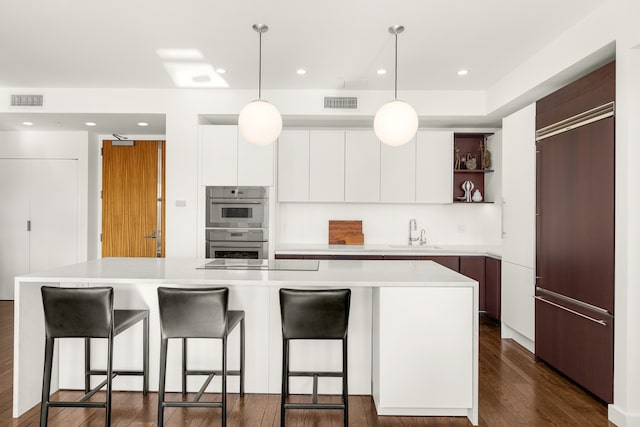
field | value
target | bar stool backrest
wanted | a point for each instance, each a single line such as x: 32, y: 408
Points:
x: 315, y: 314
x: 193, y: 313
x: 78, y: 312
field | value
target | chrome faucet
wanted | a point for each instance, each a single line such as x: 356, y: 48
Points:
x: 423, y: 237
x: 413, y: 232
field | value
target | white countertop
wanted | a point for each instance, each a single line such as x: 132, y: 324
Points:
x: 494, y: 251
x: 185, y: 271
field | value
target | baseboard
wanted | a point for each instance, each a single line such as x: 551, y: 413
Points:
x: 507, y: 332
x: 621, y: 418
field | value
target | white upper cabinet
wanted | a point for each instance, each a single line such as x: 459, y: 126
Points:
x: 434, y: 167
x: 519, y: 186
x: 326, y: 166
x: 293, y: 166
x: 219, y: 155
x: 255, y: 163
x: 362, y: 166
x: 226, y: 159
x: 398, y: 173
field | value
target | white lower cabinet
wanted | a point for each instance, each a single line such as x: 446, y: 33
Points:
x: 434, y: 167
x: 406, y: 380
x: 39, y: 224
x: 226, y: 159
x: 518, y: 308
x: 362, y: 166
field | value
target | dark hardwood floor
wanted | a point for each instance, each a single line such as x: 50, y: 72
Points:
x: 514, y: 391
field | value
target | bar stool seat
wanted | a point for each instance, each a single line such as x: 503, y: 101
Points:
x: 87, y: 313
x: 314, y: 315
x: 197, y: 313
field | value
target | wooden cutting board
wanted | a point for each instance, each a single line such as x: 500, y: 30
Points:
x: 345, y: 233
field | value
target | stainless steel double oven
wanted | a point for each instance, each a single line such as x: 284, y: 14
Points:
x: 237, y: 221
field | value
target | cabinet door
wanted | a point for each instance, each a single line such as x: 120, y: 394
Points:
x: 54, y: 214
x: 14, y: 237
x: 518, y: 285
x: 473, y: 267
x: 434, y: 167
x: 255, y: 163
x: 362, y: 167
x: 492, y: 287
x: 326, y: 166
x: 219, y: 154
x: 293, y: 166
x: 518, y: 186
x: 398, y: 173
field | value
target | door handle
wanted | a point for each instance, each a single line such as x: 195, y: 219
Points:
x: 598, y: 321
x: 153, y: 236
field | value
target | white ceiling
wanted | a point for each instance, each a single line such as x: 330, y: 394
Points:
x: 341, y: 43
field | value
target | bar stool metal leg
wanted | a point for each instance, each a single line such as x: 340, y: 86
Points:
x: 145, y: 356
x: 242, y: 357
x: 345, y: 391
x: 161, y: 382
x: 46, y: 381
x: 184, y: 366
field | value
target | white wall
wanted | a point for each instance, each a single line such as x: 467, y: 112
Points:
x: 60, y: 145
x: 389, y: 223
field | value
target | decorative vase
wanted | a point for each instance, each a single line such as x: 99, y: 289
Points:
x: 477, y: 197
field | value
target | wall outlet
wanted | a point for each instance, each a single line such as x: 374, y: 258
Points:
x: 181, y: 203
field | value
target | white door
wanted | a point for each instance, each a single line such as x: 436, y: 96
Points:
x: 14, y: 237
x: 53, y: 240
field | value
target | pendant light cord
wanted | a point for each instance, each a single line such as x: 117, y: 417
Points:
x: 260, y: 68
x: 395, y: 93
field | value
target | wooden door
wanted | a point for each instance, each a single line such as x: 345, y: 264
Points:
x: 130, y: 226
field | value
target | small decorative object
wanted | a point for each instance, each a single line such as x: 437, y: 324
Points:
x: 470, y: 162
x: 467, y: 187
x: 457, y: 165
x: 477, y: 197
x: 485, y: 155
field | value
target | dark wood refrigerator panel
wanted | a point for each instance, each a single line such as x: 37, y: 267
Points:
x: 575, y: 222
x: 579, y: 347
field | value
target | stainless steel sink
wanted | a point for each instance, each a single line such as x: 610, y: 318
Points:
x: 415, y: 247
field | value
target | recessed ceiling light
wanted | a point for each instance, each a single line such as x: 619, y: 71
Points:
x: 463, y: 72
x: 301, y: 71
x: 220, y: 70
x: 382, y: 71
x: 143, y: 124
x: 27, y: 123
x: 92, y: 124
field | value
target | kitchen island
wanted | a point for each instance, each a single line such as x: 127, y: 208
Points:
x: 413, y: 330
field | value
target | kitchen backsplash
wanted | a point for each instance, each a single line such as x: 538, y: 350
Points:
x: 458, y: 224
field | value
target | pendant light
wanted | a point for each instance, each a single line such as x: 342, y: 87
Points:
x: 396, y: 122
x: 259, y: 121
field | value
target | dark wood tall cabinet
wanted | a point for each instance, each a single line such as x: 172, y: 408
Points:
x: 575, y: 198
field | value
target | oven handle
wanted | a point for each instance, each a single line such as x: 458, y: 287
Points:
x: 235, y: 245
x: 236, y: 202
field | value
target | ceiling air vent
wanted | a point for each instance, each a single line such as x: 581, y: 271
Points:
x: 27, y: 100
x: 341, y: 102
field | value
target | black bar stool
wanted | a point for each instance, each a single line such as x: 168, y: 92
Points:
x: 88, y: 313
x: 314, y: 315
x: 197, y: 313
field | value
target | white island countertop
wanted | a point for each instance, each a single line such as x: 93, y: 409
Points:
x: 188, y: 271
x: 413, y: 329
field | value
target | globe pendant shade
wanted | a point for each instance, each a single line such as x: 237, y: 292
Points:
x: 260, y: 123
x: 396, y: 123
